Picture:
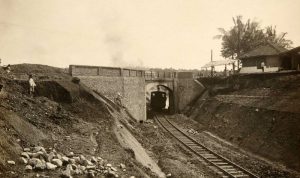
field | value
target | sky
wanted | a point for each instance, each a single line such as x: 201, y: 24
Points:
x: 148, y: 33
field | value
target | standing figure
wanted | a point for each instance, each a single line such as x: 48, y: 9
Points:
x: 263, y: 66
x: 31, y: 85
x: 7, y: 68
x: 118, y: 99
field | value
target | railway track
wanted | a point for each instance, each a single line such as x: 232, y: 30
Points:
x: 224, y: 167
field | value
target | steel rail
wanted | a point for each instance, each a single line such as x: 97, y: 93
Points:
x: 227, y: 167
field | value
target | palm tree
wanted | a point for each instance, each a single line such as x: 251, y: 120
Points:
x: 243, y: 37
x: 271, y: 36
x: 240, y: 38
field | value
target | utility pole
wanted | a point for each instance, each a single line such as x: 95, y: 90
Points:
x: 211, y: 60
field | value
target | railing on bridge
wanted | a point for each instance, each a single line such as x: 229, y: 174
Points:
x: 151, y: 75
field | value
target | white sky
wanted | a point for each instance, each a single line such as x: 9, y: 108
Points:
x: 152, y: 33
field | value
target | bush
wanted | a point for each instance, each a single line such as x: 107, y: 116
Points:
x: 76, y: 80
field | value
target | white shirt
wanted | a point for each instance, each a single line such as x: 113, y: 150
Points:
x: 32, y: 83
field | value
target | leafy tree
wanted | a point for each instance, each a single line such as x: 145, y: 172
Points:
x: 245, y: 36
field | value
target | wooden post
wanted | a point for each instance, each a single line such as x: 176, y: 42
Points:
x: 211, y: 60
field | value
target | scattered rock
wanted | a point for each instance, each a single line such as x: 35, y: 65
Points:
x: 71, y: 154
x: 40, y: 165
x: 88, y: 163
x: 11, y: 162
x: 90, y: 167
x: 94, y: 160
x: 113, y: 169
x: 23, y: 160
x: 108, y: 165
x: 74, y: 167
x: 39, y: 148
x: 111, y: 173
x: 39, y: 159
x: 57, y: 162
x: 28, y: 167
x: 58, y: 156
x: 26, y: 149
x: 91, y: 174
x: 66, y: 174
x: 50, y: 166
x: 72, y: 161
x: 83, y: 168
x: 82, y: 157
x: 122, y: 166
x: 99, y: 158
x: 25, y: 155
x: 33, y: 161
x: 50, y: 156
x: 37, y: 154
x: 169, y: 175
x: 77, y: 159
x: 192, y: 131
x: 64, y: 159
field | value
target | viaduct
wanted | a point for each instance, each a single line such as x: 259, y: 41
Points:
x: 136, y: 86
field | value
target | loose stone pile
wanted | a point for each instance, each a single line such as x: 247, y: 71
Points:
x: 192, y: 131
x: 37, y: 158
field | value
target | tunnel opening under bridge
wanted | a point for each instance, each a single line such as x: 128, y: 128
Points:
x: 159, y: 99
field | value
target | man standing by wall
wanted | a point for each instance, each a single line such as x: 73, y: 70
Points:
x: 263, y: 66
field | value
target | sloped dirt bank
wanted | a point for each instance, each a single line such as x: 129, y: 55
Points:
x: 252, y: 161
x: 127, y: 140
x: 79, y: 123
x: 269, y: 133
x: 259, y: 113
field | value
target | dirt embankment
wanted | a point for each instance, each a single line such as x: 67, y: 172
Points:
x: 259, y: 113
x: 62, y: 116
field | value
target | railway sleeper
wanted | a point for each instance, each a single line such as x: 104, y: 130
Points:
x: 207, y: 157
x: 221, y: 163
x: 231, y: 170
x: 241, y: 175
x: 237, y: 173
x: 226, y: 167
x: 200, y: 151
x: 193, y: 146
x: 215, y: 160
x: 183, y: 138
x: 189, y: 143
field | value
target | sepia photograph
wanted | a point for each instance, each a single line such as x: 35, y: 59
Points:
x: 149, y: 89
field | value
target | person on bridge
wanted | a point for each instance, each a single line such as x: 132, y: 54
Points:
x: 32, y: 85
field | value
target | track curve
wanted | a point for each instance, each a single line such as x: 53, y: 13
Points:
x: 226, y: 167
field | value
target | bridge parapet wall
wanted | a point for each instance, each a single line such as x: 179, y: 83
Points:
x: 82, y: 70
